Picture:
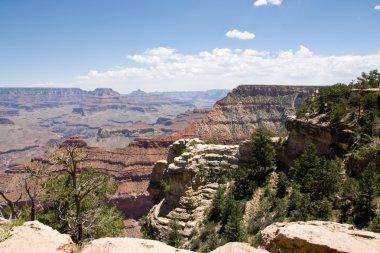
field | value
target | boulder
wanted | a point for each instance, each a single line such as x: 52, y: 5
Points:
x: 35, y: 237
x: 129, y: 245
x: 318, y: 237
x: 238, y: 247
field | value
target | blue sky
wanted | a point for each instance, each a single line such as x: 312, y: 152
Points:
x: 182, y: 44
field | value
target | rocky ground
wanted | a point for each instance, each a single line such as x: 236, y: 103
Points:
x: 298, y: 237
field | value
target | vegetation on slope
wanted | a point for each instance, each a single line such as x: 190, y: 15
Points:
x: 316, y: 187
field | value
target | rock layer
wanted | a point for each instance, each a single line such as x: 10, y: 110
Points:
x: 236, y: 116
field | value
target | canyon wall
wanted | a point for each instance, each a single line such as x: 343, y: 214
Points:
x: 235, y: 117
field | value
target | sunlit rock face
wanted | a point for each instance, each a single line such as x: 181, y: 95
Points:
x: 247, y: 107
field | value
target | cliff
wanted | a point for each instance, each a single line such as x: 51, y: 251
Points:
x: 303, y: 132
x: 235, y: 117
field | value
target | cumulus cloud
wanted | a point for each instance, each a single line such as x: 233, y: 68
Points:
x: 168, y: 69
x: 259, y: 3
x: 377, y: 7
x: 236, y: 34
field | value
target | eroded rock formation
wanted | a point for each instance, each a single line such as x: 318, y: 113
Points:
x: 192, y: 174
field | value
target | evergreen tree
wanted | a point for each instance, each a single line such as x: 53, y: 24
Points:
x: 305, y: 168
x: 299, y: 206
x: 244, y: 183
x: 326, y: 180
x: 282, y: 185
x: 234, y: 231
x: 215, y: 213
x: 264, y: 154
x: 174, y: 236
x: 229, y: 204
x: 350, y: 197
x: 369, y: 186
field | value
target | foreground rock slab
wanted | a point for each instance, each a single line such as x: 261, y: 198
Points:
x: 35, y: 237
x: 129, y: 245
x: 318, y: 237
x: 238, y: 247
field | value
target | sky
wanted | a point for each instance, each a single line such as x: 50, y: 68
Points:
x: 171, y: 45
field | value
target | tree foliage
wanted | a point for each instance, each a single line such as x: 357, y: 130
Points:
x: 174, y: 236
x: 264, y: 154
x: 216, y: 210
x: 75, y: 199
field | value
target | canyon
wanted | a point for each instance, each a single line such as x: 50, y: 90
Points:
x: 125, y: 135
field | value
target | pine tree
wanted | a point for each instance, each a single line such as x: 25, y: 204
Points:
x: 234, y: 231
x: 215, y: 213
x: 229, y: 205
x: 264, y: 154
x: 174, y: 236
x: 305, y: 168
x: 369, y: 187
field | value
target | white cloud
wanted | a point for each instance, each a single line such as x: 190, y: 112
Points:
x: 236, y: 34
x: 168, y: 69
x: 259, y: 3
x: 377, y: 7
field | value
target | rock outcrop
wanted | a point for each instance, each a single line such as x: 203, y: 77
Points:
x: 192, y: 175
x: 132, y: 245
x: 237, y: 247
x: 318, y: 237
x: 35, y: 237
x: 303, y: 132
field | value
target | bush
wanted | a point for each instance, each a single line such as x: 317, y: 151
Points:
x: 374, y: 226
x: 322, y: 209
